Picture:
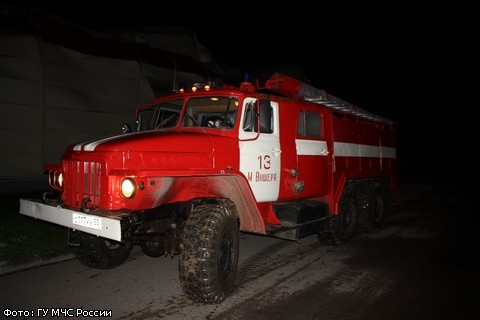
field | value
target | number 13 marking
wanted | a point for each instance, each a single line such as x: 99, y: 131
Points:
x: 264, y: 162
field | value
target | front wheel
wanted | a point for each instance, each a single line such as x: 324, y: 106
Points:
x: 101, y: 253
x: 209, y: 258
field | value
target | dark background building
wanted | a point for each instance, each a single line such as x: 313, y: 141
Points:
x: 386, y: 57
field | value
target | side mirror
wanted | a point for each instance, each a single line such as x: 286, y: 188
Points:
x: 265, y: 116
x: 126, y: 128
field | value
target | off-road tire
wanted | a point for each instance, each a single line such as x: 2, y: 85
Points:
x: 376, y: 210
x: 101, y: 253
x: 209, y: 258
x: 342, y: 227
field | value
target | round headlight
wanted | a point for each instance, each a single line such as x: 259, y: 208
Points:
x: 128, y: 188
x: 60, y: 180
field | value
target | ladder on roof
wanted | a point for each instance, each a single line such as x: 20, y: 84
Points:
x: 294, y: 88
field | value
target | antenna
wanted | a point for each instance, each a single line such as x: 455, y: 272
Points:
x: 174, y: 75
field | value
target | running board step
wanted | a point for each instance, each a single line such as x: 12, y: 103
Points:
x: 298, y: 219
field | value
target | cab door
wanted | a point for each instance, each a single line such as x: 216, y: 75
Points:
x: 260, y: 150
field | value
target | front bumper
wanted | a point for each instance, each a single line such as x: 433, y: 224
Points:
x: 106, y: 227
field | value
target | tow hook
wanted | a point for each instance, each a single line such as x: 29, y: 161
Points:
x: 85, y: 203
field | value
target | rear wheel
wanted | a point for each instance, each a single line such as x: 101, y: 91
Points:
x: 343, y: 226
x: 101, y: 253
x: 376, y: 210
x: 209, y: 258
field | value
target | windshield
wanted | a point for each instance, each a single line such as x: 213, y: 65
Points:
x: 161, y: 115
x: 211, y: 112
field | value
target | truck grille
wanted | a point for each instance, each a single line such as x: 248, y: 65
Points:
x: 82, y: 181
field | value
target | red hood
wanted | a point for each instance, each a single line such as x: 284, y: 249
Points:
x: 152, y: 141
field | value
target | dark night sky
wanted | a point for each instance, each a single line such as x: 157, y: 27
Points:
x: 384, y: 56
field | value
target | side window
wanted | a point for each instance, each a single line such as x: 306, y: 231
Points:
x: 250, y: 118
x: 266, y: 117
x: 309, y: 124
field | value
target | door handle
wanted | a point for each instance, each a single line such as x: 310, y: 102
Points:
x: 276, y: 151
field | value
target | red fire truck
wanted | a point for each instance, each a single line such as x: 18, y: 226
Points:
x: 286, y: 160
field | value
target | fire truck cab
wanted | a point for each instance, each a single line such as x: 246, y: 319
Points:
x: 287, y: 161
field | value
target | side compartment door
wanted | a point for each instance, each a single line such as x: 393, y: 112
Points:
x: 260, y: 150
x: 312, y: 153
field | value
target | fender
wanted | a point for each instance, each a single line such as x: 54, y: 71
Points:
x: 171, y: 189
x: 337, y: 194
x: 233, y: 187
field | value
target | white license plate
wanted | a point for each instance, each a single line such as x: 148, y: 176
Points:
x: 92, y: 222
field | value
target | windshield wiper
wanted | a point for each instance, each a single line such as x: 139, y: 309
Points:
x: 196, y: 122
x: 160, y: 125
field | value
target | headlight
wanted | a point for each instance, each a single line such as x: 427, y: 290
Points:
x: 55, y: 179
x: 128, y: 188
x: 60, y: 180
